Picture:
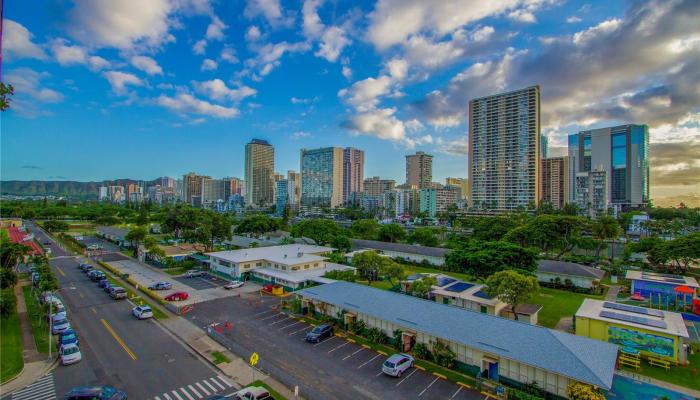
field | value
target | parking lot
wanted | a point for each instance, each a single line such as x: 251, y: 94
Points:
x: 106, y: 246
x: 334, y: 368
x: 205, y: 281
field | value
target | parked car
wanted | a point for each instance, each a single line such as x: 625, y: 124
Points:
x: 84, y: 266
x: 104, y: 282
x: 397, y: 364
x: 142, y: 312
x: 252, y: 393
x: 96, y: 275
x: 161, y: 286
x: 234, y: 285
x: 60, y: 323
x: 70, y: 354
x: 193, y: 273
x: 57, y: 308
x: 177, y: 296
x: 118, y: 293
x: 319, y: 333
x: 88, y: 268
x: 47, y: 242
x: 95, y: 392
x: 67, y: 337
x: 108, y: 287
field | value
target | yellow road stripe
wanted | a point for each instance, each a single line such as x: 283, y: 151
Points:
x: 381, y: 352
x: 419, y: 367
x: 118, y: 339
x: 350, y: 340
x: 439, y: 375
x: 60, y: 270
x: 365, y: 346
x: 464, y: 385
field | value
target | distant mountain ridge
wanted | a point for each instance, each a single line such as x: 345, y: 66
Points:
x: 70, y: 189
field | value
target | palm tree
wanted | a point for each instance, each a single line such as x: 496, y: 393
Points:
x: 605, y: 228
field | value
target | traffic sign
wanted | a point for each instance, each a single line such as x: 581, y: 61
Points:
x: 254, y: 359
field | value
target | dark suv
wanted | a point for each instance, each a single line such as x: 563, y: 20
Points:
x: 319, y: 333
x: 95, y: 393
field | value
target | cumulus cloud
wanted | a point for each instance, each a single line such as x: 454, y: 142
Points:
x: 229, y: 55
x: 347, y: 72
x: 120, y: 81
x: 147, y: 65
x: 209, y: 65
x: 364, y: 95
x: 675, y: 164
x: 332, y: 43
x: 17, y: 42
x: 573, y: 20
x: 67, y: 54
x: 269, y: 55
x: 381, y: 123
x: 122, y: 24
x: 216, y: 89
x: 184, y: 103
x: 215, y: 30
x: 30, y: 91
x: 252, y: 34
x: 332, y: 39
x: 271, y: 10
x: 300, y: 135
x: 199, y: 47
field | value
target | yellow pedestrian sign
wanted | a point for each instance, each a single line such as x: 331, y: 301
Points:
x: 254, y: 359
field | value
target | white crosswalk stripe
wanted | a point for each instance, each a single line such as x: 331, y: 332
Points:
x: 194, y: 391
x: 43, y: 389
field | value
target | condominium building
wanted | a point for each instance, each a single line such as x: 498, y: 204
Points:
x: 399, y: 202
x: 167, y: 182
x: 116, y: 193
x: 192, y: 188
x: 544, y: 147
x: 591, y: 192
x: 433, y: 201
x: 322, y: 177
x: 419, y: 169
x: 504, y: 150
x: 622, y: 153
x: 374, y: 186
x: 103, y: 193
x: 293, y: 190
x: 461, y: 183
x: 259, y: 173
x: 214, y: 191
x: 233, y: 186
x: 134, y: 193
x: 281, y: 196
x: 554, y: 181
x: 353, y: 172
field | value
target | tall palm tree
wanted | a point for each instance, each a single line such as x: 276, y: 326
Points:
x: 605, y: 228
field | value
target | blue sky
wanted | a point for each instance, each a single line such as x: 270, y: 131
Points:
x: 114, y: 89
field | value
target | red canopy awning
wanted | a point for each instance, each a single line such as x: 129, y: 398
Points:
x: 684, y: 289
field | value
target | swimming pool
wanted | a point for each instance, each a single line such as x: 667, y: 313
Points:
x: 624, y: 388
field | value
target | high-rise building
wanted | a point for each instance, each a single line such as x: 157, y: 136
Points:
x: 259, y: 173
x: 167, y: 182
x: 419, y: 169
x: 353, y: 172
x: 233, y: 186
x: 322, y: 177
x: 374, y: 186
x: 134, y: 193
x: 591, y: 192
x: 293, y: 190
x: 281, y: 197
x: 192, y: 188
x: 544, y: 147
x: 504, y: 150
x: 554, y: 181
x: 433, y: 201
x: 103, y: 193
x: 116, y: 193
x: 461, y: 183
x: 214, y: 191
x: 622, y: 153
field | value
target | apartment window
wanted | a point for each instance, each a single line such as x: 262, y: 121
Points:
x: 284, y: 268
x: 258, y: 264
x: 225, y: 263
x: 306, y: 266
x: 295, y: 268
x: 246, y: 266
x: 315, y: 264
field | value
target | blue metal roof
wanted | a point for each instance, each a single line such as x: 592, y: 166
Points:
x: 582, y: 359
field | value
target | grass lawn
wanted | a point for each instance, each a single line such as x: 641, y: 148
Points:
x: 557, y: 304
x: 219, y: 357
x: 174, y: 271
x: 272, y: 392
x: 37, y: 318
x: 688, y: 376
x: 10, y: 347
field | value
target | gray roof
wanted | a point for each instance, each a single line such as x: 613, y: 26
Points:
x: 112, y: 230
x: 580, y: 358
x: 569, y: 268
x: 399, y: 247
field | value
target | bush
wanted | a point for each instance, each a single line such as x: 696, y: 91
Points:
x: 55, y: 226
x: 357, y: 327
x: 515, y: 394
x: 422, y: 351
x: 444, y: 356
x: 376, y: 335
x: 8, y: 302
x: 397, y: 339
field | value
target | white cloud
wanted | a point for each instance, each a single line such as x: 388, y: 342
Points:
x: 269, y: 56
x: 66, y: 54
x: 364, y: 95
x: 121, y: 80
x: 17, y: 42
x: 27, y: 82
x: 216, y: 89
x: 573, y: 19
x: 297, y: 100
x: 332, y: 43
x: 311, y: 22
x: 199, y: 47
x: 147, y: 65
x: 122, y: 24
x: 377, y: 122
x: 252, y: 34
x: 271, y: 10
x: 228, y: 55
x: 209, y: 65
x: 397, y: 68
x: 522, y: 16
x: 300, y: 135
x: 347, y: 72
x: 97, y: 63
x: 184, y: 103
x: 215, y: 30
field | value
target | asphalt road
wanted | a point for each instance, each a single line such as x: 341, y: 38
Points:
x: 333, y: 369
x: 56, y: 250
x: 140, y: 357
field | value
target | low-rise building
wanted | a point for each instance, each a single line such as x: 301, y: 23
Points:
x: 409, y: 252
x: 293, y: 266
x: 495, y: 348
x: 660, y: 289
x: 559, y: 272
x: 636, y: 330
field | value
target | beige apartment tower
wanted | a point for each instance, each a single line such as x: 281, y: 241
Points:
x: 419, y: 169
x: 504, y: 150
x: 554, y: 181
x: 259, y: 173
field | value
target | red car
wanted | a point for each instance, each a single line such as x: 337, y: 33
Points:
x: 177, y: 296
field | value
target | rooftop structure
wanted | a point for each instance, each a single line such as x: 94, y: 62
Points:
x: 569, y: 269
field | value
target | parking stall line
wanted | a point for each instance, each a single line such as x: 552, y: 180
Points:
x: 325, y: 341
x: 282, y: 320
x: 355, y: 352
x: 288, y: 326
x: 338, y: 347
x: 264, y: 312
x: 368, y: 361
x: 428, y: 387
x: 196, y: 393
x: 459, y: 389
x: 407, y: 376
x: 302, y: 329
x: 271, y: 316
x: 186, y: 393
x: 380, y: 373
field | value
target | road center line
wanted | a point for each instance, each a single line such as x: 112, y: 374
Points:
x: 60, y: 271
x: 428, y: 387
x: 118, y: 339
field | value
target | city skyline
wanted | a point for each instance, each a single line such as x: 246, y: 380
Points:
x: 318, y: 76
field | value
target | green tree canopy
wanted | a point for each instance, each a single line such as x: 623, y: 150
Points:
x: 424, y: 237
x: 604, y: 228
x: 483, y: 259
x: 365, y: 229
x: 322, y: 231
x: 391, y: 233
x: 511, y: 287
x: 258, y: 224
x: 368, y: 264
x: 550, y: 233
x: 423, y: 286
x: 55, y: 226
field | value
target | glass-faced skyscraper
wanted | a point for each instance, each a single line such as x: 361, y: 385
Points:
x: 622, y: 152
x: 322, y: 177
x: 504, y: 150
x: 259, y: 173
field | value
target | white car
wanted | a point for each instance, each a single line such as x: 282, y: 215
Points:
x: 70, y: 354
x: 142, y: 312
x: 193, y: 273
x: 397, y: 364
x: 234, y: 285
x: 252, y: 393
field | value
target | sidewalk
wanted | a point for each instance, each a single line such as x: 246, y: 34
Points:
x: 612, y: 293
x: 36, y: 364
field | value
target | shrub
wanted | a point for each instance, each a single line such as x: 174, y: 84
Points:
x: 8, y: 302
x: 357, y: 327
x: 376, y: 335
x: 581, y: 391
x: 443, y: 354
x: 397, y: 339
x: 515, y: 394
x: 422, y: 351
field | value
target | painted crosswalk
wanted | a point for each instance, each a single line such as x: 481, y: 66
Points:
x: 198, y: 390
x: 43, y: 389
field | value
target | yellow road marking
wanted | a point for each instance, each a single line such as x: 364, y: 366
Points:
x: 439, y: 375
x: 93, y: 310
x: 419, y: 367
x: 464, y: 385
x: 381, y: 352
x: 60, y: 270
x: 350, y: 340
x: 118, y: 339
x: 365, y: 346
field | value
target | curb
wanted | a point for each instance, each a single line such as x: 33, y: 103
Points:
x: 45, y: 371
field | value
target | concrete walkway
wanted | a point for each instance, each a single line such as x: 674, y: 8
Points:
x: 612, y: 293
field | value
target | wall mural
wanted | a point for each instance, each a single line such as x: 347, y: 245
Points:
x: 640, y: 341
